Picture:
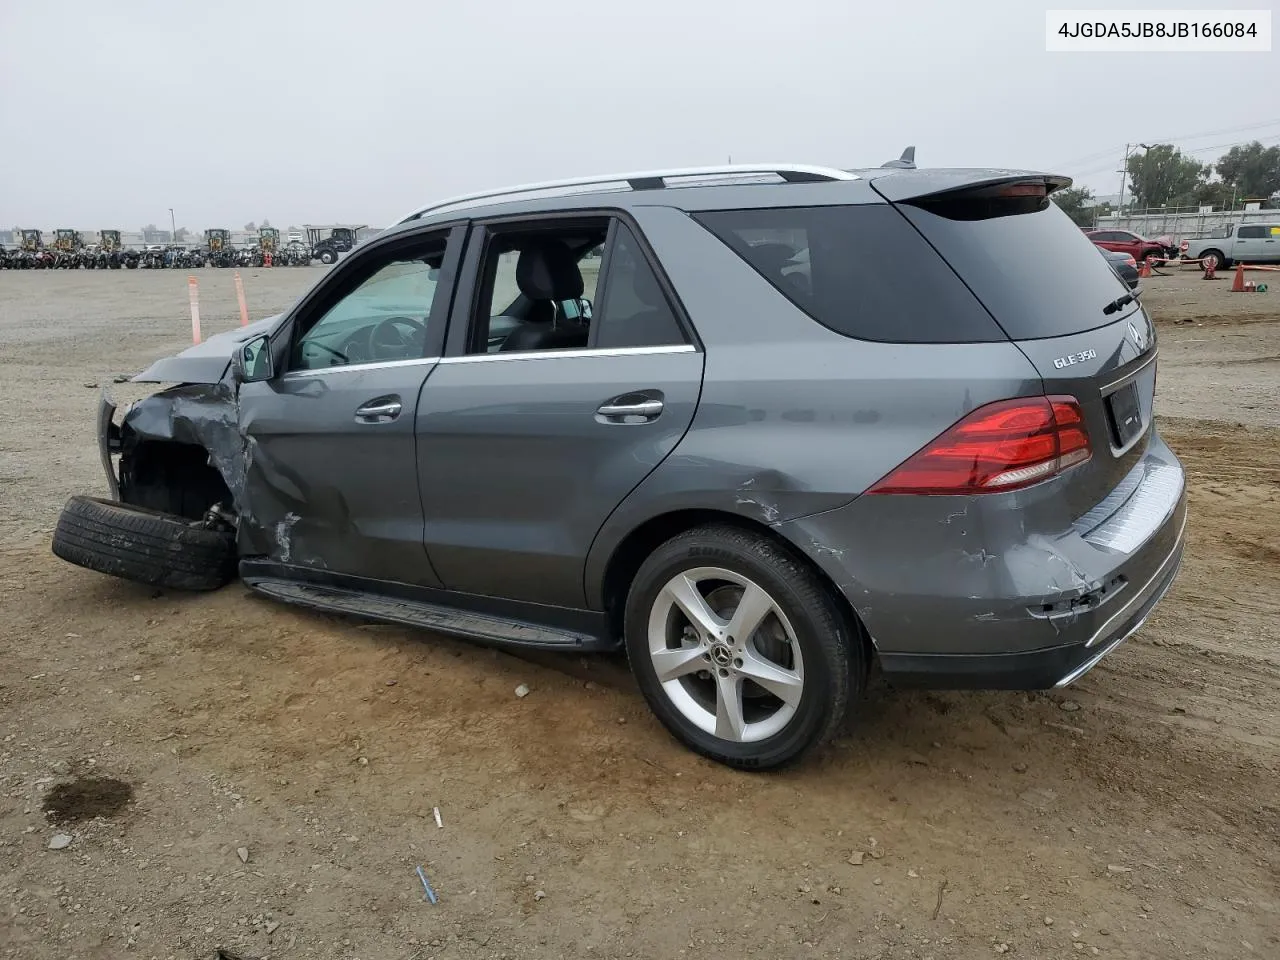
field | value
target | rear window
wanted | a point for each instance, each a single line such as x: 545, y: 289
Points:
x: 1035, y: 271
x: 861, y: 271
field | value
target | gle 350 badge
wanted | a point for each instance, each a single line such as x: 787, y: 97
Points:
x: 1073, y: 358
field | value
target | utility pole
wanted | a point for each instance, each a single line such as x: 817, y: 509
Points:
x: 1124, y: 169
x: 173, y: 227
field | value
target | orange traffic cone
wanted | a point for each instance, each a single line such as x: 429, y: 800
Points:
x: 1144, y: 268
x: 1237, y: 285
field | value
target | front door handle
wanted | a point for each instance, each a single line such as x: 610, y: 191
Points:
x: 381, y: 410
x: 647, y: 408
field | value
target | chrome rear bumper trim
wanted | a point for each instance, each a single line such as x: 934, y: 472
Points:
x: 1148, y: 597
x: 1141, y: 595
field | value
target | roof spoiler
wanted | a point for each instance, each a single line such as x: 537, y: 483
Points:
x: 905, y: 162
x: 943, y: 182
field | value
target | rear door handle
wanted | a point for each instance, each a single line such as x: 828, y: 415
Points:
x: 647, y: 408
x: 381, y: 410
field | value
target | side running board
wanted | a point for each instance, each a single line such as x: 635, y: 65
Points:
x: 414, y: 613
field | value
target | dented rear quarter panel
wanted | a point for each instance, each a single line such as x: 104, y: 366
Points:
x: 794, y: 419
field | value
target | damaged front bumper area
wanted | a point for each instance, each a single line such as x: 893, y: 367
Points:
x: 109, y: 441
x: 1003, y: 592
x: 193, y: 414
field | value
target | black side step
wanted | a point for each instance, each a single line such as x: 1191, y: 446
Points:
x: 416, y: 613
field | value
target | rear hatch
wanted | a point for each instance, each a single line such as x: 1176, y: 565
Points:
x: 1052, y: 292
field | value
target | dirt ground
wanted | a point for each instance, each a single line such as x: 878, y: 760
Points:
x: 265, y: 777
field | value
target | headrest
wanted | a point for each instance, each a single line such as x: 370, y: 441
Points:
x: 546, y: 271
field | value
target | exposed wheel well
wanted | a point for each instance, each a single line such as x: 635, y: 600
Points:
x: 642, y: 541
x: 172, y: 477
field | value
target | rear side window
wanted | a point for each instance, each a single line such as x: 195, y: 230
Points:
x: 862, y: 271
x: 1031, y: 266
x: 635, y: 312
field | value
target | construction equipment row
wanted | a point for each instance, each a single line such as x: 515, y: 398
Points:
x: 70, y: 252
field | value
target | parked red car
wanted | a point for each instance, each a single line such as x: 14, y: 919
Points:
x: 1122, y: 241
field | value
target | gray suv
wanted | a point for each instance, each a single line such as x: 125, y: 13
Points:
x: 761, y: 427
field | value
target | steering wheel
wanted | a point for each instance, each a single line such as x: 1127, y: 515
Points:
x: 387, y: 341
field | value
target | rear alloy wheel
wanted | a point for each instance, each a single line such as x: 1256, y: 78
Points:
x: 739, y: 648
x: 1214, y: 259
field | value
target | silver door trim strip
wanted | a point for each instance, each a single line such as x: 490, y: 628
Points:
x: 352, y: 367
x: 569, y: 354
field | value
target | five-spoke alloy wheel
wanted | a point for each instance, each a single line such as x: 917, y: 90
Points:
x: 739, y: 647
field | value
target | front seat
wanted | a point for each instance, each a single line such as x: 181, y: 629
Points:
x: 547, y: 274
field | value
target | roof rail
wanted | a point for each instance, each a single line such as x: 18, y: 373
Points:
x: 645, y: 180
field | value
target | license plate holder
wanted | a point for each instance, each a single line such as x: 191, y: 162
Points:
x: 1125, y: 411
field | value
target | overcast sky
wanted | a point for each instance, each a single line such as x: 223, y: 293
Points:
x: 359, y: 110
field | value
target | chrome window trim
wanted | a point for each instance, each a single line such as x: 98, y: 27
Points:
x: 347, y: 367
x: 570, y: 354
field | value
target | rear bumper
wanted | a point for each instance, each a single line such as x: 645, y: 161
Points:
x: 1037, y: 669
x: 1008, y: 591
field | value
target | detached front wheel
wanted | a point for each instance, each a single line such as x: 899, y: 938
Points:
x: 143, y: 545
x: 739, y: 649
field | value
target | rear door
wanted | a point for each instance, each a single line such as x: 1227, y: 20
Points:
x: 1251, y: 243
x: 1108, y: 240
x: 523, y: 453
x: 1271, y: 245
x: 1068, y: 315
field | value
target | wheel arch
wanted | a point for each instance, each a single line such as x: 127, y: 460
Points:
x: 631, y: 550
x: 171, y: 476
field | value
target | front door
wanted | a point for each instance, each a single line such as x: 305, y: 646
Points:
x: 563, y: 395
x: 332, y: 468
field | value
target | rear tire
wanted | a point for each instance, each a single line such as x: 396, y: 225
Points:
x: 327, y: 257
x: 802, y: 645
x: 143, y: 545
x: 1220, y: 262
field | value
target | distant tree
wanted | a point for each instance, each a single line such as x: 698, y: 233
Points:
x: 1252, y: 169
x: 1077, y: 203
x: 251, y: 226
x: 1214, y: 193
x: 150, y: 228
x: 1164, y: 176
x: 266, y: 222
x: 182, y: 234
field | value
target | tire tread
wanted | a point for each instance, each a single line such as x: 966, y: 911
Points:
x: 143, y: 546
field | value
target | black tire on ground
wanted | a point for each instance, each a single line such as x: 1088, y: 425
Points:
x: 834, y: 657
x: 327, y: 256
x: 143, y: 545
x: 1220, y: 262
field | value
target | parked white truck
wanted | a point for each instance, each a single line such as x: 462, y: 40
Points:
x: 1241, y: 242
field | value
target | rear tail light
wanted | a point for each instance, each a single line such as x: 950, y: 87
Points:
x: 1002, y: 446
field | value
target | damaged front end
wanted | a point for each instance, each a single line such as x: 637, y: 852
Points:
x: 180, y: 450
